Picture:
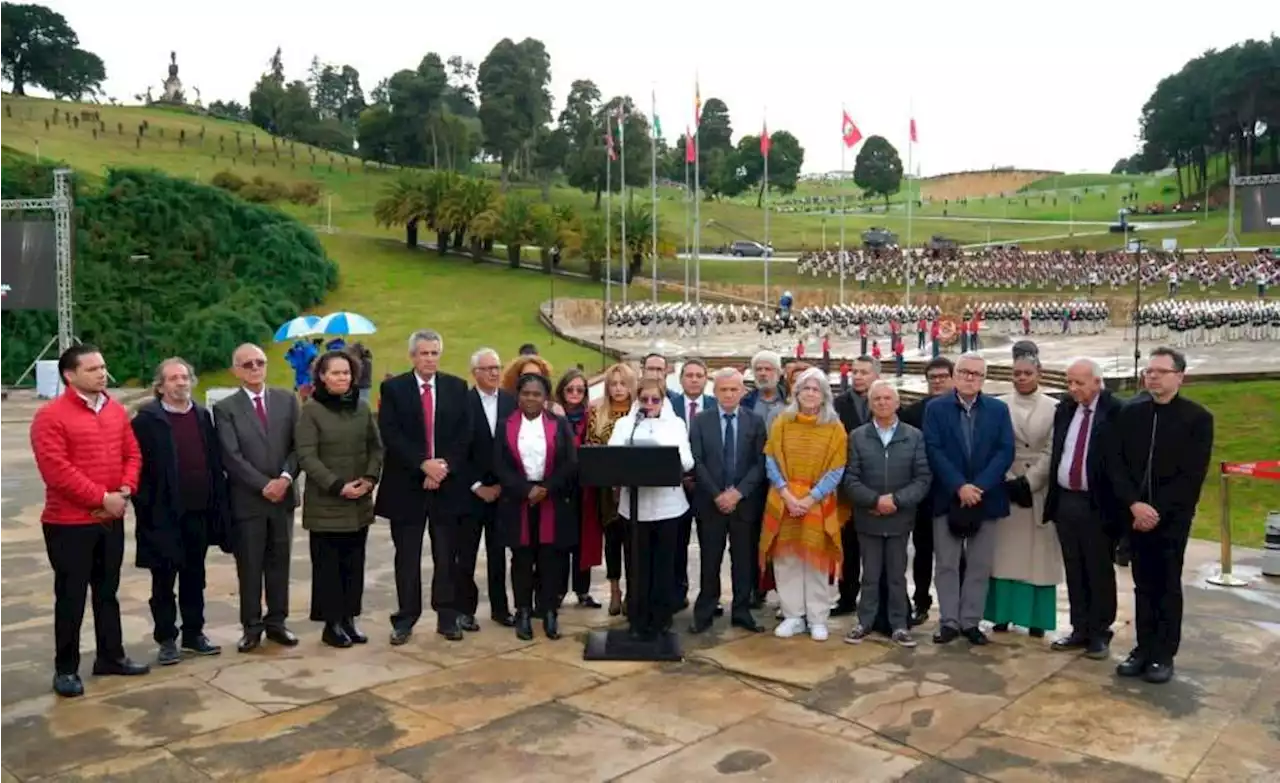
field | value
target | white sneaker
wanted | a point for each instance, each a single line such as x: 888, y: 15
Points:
x: 818, y: 633
x: 789, y: 627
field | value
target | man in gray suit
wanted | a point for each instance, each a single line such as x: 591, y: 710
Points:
x: 255, y: 426
x: 728, y: 454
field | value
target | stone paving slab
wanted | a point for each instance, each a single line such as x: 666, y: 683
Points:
x: 742, y: 706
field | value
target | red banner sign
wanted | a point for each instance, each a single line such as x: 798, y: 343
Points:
x: 1267, y: 469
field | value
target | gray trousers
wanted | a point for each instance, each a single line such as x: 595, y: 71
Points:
x: 962, y: 605
x: 883, y: 554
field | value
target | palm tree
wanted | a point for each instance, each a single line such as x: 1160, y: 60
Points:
x: 436, y: 189
x: 403, y: 203
x: 464, y: 201
x: 515, y: 226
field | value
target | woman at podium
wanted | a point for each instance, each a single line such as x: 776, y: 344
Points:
x: 537, y: 511
x: 660, y: 509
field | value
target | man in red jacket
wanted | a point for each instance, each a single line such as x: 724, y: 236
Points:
x: 89, y: 460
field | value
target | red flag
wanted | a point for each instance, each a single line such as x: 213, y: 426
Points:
x: 690, y: 147
x: 914, y: 138
x: 697, y: 103
x: 849, y: 131
x: 608, y: 141
x: 764, y: 141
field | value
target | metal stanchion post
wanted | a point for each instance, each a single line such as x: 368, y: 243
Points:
x: 1225, y: 578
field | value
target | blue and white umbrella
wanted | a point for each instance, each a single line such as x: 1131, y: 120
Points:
x: 302, y: 326
x: 345, y: 323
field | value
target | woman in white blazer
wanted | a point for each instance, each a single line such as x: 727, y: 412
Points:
x: 653, y: 598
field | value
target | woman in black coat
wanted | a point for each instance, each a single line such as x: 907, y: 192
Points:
x: 536, y: 462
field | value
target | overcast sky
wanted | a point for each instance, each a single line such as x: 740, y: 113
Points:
x: 992, y: 82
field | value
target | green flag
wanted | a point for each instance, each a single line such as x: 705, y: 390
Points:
x: 657, y: 124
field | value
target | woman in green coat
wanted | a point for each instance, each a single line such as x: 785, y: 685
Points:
x: 341, y: 452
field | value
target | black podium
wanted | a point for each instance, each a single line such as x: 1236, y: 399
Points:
x: 632, y: 467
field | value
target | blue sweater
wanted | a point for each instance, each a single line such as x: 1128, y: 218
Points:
x: 946, y: 433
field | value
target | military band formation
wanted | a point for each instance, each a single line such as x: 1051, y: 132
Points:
x: 815, y: 496
x: 1209, y: 322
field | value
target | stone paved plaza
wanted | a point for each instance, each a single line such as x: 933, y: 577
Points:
x: 741, y: 707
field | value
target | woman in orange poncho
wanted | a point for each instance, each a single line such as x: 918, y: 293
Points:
x: 804, y: 458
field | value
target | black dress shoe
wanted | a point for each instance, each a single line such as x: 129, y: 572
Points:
x: 551, y: 624
x: 468, y: 623
x: 1158, y: 673
x: 747, y: 624
x: 282, y: 635
x: 504, y: 619
x: 945, y: 635
x: 844, y: 608
x: 1133, y: 666
x: 719, y: 611
x: 200, y: 645
x: 68, y: 685
x: 587, y: 602
x: 524, y: 624
x: 699, y: 626
x: 450, y: 630
x: 918, y: 617
x: 252, y: 640
x: 974, y: 635
x: 1000, y: 628
x: 1098, y: 650
x: 1068, y: 643
x: 335, y: 636
x: 169, y: 654
x: 400, y: 636
x: 357, y: 636
x: 122, y: 668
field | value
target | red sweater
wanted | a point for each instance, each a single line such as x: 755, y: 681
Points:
x: 82, y: 455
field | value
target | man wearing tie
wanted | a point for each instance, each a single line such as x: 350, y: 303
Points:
x: 1082, y: 505
x: 728, y: 453
x: 255, y: 428
x: 489, y: 404
x: 426, y: 429
x: 688, y: 403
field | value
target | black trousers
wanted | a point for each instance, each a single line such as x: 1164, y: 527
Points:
x: 1087, y: 559
x: 651, y: 582
x: 85, y: 558
x: 617, y: 549
x: 188, y: 575
x: 682, y: 557
x: 851, y: 569
x: 337, y: 575
x: 448, y: 533
x: 262, y: 548
x: 714, y: 531
x: 577, y: 578
x: 1157, y: 587
x: 538, y: 565
x: 922, y: 560
x: 483, y: 522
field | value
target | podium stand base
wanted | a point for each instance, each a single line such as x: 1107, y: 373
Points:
x: 619, y: 645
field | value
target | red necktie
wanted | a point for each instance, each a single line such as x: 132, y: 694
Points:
x: 1075, y: 476
x: 428, y: 416
x: 693, y: 411
x: 261, y: 411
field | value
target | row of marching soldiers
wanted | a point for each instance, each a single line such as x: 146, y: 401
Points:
x: 806, y: 491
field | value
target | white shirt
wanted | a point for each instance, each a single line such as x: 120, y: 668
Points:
x: 96, y: 404
x: 655, y: 503
x: 431, y: 447
x: 490, y: 404
x: 1069, y: 447
x: 532, y: 443
x: 686, y: 401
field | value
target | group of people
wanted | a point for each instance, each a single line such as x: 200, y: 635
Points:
x: 1210, y: 321
x: 804, y: 488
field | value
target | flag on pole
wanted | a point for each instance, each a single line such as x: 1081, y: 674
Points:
x: 697, y: 104
x: 765, y: 142
x: 914, y: 137
x: 690, y: 147
x: 608, y: 141
x: 657, y: 123
x: 849, y: 131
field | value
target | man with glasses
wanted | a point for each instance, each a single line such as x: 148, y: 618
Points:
x: 255, y: 428
x: 969, y: 440
x: 939, y: 374
x: 1160, y: 458
x: 490, y: 406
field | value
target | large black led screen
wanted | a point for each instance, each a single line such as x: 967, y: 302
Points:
x: 29, y: 262
x: 1261, y: 207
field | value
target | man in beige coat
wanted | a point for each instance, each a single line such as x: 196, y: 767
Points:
x: 1028, y: 560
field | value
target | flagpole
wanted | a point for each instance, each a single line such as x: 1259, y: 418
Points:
x: 622, y: 200
x: 687, y: 141
x: 911, y: 145
x: 697, y: 228
x: 765, y: 149
x: 840, y: 255
x: 653, y: 184
x: 608, y: 225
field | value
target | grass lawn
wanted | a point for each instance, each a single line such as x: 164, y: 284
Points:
x: 1246, y: 428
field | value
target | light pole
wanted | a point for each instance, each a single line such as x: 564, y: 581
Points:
x: 1137, y: 244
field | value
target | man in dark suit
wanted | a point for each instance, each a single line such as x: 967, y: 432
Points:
x: 854, y: 412
x: 255, y: 427
x: 688, y: 403
x: 490, y: 406
x: 1082, y: 506
x: 940, y: 375
x: 727, y: 441
x: 1158, y: 462
x: 426, y: 426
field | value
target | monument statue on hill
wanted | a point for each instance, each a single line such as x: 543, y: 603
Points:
x: 173, y: 85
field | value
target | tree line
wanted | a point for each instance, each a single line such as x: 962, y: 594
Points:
x: 1223, y: 103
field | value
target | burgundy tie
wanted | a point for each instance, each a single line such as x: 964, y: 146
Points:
x: 1075, y: 476
x: 428, y: 416
x: 693, y: 411
x: 261, y: 411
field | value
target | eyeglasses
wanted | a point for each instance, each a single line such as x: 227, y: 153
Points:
x: 971, y: 373
x: 253, y: 364
x: 493, y: 368
x: 575, y: 390
x: 650, y: 400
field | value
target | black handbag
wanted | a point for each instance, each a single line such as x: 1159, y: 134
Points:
x: 1019, y: 492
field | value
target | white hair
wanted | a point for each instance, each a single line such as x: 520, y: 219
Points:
x: 826, y: 409
x: 1095, y: 369
x: 770, y: 357
x: 883, y: 384
x: 480, y: 354
x: 973, y: 356
x: 724, y: 374
x: 425, y: 336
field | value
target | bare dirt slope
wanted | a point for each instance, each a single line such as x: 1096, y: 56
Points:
x: 971, y: 184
